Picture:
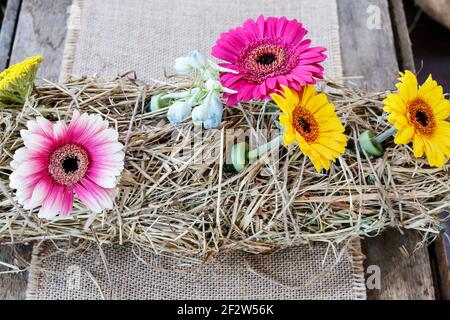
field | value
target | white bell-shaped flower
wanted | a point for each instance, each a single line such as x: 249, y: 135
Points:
x: 185, y: 65
x: 179, y: 111
x: 209, y: 113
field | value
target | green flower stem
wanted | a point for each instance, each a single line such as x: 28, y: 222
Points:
x: 240, y: 155
x: 372, y: 145
x: 383, y: 136
x: 264, y: 148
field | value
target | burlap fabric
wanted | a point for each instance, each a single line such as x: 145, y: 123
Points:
x: 126, y: 273
x: 146, y: 36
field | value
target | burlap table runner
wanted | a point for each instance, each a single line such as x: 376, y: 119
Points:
x: 126, y: 273
x: 146, y: 36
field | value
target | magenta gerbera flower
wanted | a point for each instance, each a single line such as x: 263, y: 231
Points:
x: 266, y: 54
x: 60, y: 161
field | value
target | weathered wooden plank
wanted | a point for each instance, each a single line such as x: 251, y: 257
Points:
x: 405, y: 273
x: 437, y: 250
x: 439, y: 263
x: 13, y: 285
x: 7, y: 31
x: 401, y: 35
x: 368, y: 50
x: 41, y: 29
x: 367, y: 44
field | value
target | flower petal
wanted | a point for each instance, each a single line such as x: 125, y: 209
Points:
x: 67, y: 204
x: 53, y: 203
x: 408, y: 86
x: 41, y: 191
x: 87, y: 198
x: 404, y: 135
x: 419, y: 147
x: 94, y: 196
x: 442, y: 110
x: 288, y: 137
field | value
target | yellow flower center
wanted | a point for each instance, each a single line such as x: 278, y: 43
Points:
x: 421, y: 116
x: 304, y: 123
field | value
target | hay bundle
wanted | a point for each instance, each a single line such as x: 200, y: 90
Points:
x: 169, y: 202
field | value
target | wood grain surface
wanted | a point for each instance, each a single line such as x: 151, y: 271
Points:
x: 7, y: 31
x: 371, y: 53
x: 42, y: 30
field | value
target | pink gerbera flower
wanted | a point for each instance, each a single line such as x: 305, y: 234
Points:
x: 58, y: 161
x: 266, y: 54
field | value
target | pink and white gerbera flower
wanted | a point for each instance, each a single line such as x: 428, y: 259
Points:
x: 266, y: 54
x: 60, y: 161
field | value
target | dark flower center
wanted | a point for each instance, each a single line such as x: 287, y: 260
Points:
x: 266, y: 58
x: 68, y: 164
x: 421, y: 116
x: 304, y: 123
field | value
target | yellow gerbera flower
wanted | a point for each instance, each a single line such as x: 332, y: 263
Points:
x: 16, y: 82
x: 310, y: 119
x: 420, y: 114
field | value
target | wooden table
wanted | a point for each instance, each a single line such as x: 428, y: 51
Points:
x: 39, y: 27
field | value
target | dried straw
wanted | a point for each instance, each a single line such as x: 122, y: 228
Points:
x: 170, y: 203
